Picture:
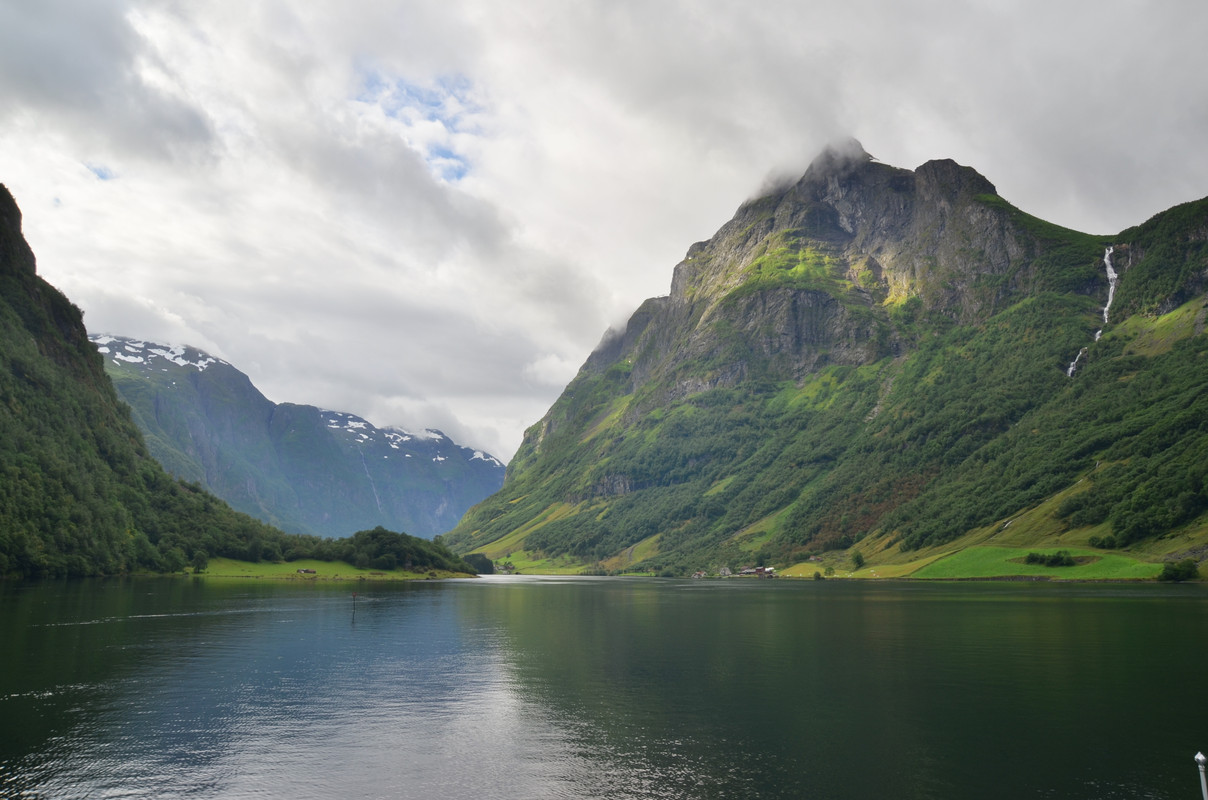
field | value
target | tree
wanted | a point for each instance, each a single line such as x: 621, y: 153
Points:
x: 481, y: 563
x: 200, y: 562
x: 1185, y: 570
x: 857, y: 558
x: 174, y: 560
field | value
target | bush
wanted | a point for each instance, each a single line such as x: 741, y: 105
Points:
x: 1061, y: 558
x: 1176, y: 571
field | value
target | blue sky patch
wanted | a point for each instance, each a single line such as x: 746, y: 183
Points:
x: 446, y: 100
x: 448, y: 164
x: 101, y: 172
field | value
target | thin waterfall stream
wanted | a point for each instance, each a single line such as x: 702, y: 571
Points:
x: 1113, y: 278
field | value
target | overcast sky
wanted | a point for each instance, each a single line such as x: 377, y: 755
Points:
x: 428, y: 213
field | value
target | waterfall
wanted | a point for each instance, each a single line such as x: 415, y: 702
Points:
x: 1112, y: 279
x: 1069, y: 373
x: 376, y: 499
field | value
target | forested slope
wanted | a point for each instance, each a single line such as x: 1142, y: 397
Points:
x: 885, y: 353
x: 79, y: 494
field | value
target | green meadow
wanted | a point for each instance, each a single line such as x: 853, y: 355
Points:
x: 1008, y: 562
x: 323, y: 571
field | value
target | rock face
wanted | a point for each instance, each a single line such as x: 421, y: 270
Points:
x: 301, y: 468
x: 806, y: 276
x: 843, y: 358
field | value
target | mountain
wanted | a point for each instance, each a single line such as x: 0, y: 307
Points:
x: 80, y: 495
x: 885, y: 361
x: 79, y: 492
x: 300, y: 468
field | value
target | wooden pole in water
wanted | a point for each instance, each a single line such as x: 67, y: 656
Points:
x: 1200, y: 760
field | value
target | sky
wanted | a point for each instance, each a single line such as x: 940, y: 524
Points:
x: 428, y: 213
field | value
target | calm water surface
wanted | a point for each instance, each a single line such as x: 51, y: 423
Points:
x: 600, y: 688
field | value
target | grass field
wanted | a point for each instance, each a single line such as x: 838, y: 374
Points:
x: 522, y: 562
x: 1005, y: 562
x: 324, y: 571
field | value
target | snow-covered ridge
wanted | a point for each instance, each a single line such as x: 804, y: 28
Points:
x: 490, y: 459
x: 364, y: 429
x: 428, y: 443
x: 135, y: 351
x: 429, y: 439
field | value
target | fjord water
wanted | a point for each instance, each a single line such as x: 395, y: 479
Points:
x: 600, y: 688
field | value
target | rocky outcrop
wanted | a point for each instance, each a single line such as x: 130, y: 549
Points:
x: 807, y: 276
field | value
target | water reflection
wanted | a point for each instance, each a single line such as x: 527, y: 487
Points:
x: 578, y: 688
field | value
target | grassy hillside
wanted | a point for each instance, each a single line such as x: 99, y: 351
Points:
x: 998, y: 437
x: 693, y: 441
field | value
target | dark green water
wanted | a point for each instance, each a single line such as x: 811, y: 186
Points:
x: 601, y: 688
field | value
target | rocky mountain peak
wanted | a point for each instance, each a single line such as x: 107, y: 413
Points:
x: 944, y: 178
x: 150, y: 355
x: 837, y: 159
x: 891, y: 231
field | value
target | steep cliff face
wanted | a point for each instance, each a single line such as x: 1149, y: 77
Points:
x: 894, y: 231
x: 824, y: 365
x: 809, y: 276
x: 54, y: 323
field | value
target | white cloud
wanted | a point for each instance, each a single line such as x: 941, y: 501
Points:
x: 427, y: 213
x: 551, y: 369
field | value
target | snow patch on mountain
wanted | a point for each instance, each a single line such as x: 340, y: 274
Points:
x: 359, y: 431
x: 135, y: 351
x: 427, y: 433
x: 479, y: 455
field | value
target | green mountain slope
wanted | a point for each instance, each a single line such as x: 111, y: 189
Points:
x: 80, y: 494
x: 298, y: 467
x: 877, y: 356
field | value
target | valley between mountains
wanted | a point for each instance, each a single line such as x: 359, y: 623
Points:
x: 870, y: 372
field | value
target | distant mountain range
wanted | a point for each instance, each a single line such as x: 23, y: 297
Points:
x: 300, y: 468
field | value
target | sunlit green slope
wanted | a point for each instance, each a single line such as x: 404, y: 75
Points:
x: 879, y: 359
